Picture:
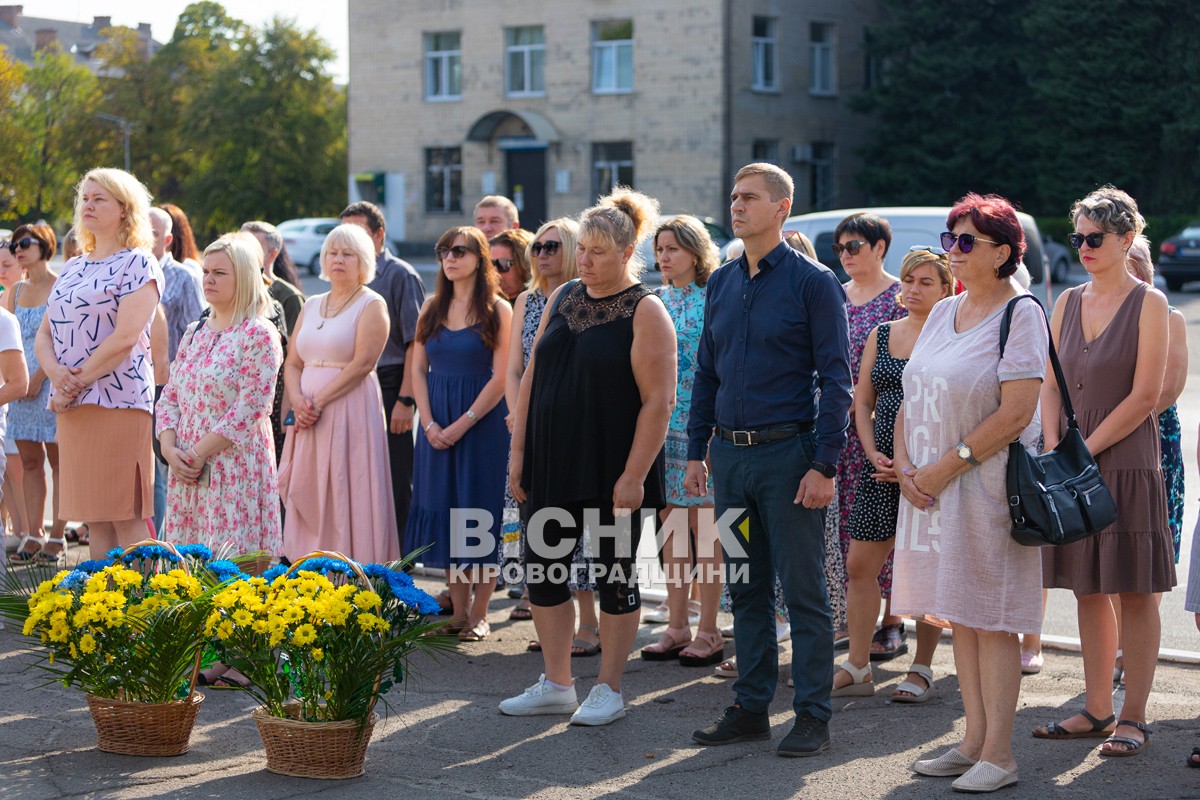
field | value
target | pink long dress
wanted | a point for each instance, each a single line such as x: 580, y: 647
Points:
x: 335, y: 477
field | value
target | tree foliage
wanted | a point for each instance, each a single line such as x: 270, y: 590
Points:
x: 230, y: 121
x: 1038, y: 100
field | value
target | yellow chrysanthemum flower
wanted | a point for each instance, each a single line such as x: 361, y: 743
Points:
x: 304, y: 635
x: 87, y: 643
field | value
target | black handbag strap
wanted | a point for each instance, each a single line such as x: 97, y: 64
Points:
x: 1005, y: 327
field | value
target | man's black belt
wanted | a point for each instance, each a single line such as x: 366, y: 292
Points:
x: 763, y: 435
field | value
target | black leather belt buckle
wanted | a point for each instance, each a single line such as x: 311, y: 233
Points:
x: 742, y: 438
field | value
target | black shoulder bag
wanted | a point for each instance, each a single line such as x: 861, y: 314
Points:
x: 1058, y: 497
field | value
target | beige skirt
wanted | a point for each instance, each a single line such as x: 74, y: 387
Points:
x: 106, y: 464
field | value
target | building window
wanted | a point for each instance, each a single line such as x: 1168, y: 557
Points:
x: 822, y: 46
x: 871, y: 65
x: 763, y: 52
x: 443, y: 180
x: 824, y: 176
x: 443, y: 66
x: 612, y: 166
x: 765, y: 150
x: 525, y: 60
x: 612, y: 56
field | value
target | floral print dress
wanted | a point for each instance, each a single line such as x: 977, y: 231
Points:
x: 884, y: 307
x: 685, y: 304
x: 223, y: 382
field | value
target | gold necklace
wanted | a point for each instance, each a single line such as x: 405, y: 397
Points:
x: 325, y: 318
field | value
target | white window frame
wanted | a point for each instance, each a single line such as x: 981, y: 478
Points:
x: 526, y: 52
x: 445, y: 173
x: 613, y: 47
x: 440, y: 62
x: 822, y: 60
x: 764, y: 50
x: 824, y: 176
x: 612, y: 165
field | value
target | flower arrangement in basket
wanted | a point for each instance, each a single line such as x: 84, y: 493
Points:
x: 129, y: 631
x: 320, y: 642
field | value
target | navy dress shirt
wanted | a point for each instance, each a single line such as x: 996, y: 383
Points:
x: 771, y: 346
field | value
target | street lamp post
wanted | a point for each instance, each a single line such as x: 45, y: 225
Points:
x: 126, y: 126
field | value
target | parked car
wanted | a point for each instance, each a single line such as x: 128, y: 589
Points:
x: 1058, y: 259
x: 911, y: 226
x: 304, y: 237
x: 1179, y: 257
x: 719, y: 233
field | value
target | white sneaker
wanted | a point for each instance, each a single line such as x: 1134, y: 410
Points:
x: 601, y: 707
x: 541, y: 698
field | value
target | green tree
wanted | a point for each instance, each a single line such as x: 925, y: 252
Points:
x: 12, y: 79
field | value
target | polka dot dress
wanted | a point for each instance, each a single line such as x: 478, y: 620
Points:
x: 873, y: 517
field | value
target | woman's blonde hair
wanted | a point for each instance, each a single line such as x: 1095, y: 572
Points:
x: 132, y: 196
x: 359, y: 242
x: 941, y: 265
x: 621, y: 219
x: 568, y: 234
x: 1139, y: 260
x: 250, y: 298
x: 694, y: 238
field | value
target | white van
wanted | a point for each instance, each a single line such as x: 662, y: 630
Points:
x: 911, y: 226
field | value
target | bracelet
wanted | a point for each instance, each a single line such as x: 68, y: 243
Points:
x: 192, y: 450
x: 471, y: 414
x: 430, y: 425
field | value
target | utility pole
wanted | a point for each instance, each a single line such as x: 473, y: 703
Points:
x: 126, y: 126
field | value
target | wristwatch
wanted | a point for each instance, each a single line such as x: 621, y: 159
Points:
x: 828, y: 470
x: 408, y: 401
x: 965, y: 453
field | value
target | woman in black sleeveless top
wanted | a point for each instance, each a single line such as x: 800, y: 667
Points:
x: 587, y: 440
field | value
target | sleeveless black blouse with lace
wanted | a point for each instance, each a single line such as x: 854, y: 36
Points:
x: 584, y: 402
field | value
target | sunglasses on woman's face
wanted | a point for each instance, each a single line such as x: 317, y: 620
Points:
x: 22, y: 244
x: 458, y: 251
x: 1093, y: 240
x: 966, y: 242
x: 549, y: 248
x: 849, y: 247
x: 503, y: 265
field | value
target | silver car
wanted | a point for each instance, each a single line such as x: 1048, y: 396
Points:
x: 304, y: 237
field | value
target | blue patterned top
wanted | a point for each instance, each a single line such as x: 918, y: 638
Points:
x: 31, y: 420
x: 685, y: 304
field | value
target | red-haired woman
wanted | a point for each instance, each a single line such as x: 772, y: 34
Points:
x: 458, y: 362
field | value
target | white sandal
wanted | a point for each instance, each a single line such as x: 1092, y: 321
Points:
x: 916, y: 694
x: 861, y: 684
x: 22, y: 556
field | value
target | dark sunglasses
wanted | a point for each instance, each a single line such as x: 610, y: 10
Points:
x: 22, y: 244
x: 458, y: 251
x: 550, y: 248
x: 503, y: 265
x: 1093, y: 240
x: 966, y: 242
x: 849, y: 247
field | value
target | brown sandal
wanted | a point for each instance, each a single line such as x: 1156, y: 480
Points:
x: 707, y: 648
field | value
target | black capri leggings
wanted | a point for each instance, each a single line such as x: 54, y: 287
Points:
x: 547, y: 574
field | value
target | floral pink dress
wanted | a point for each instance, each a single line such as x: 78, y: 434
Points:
x: 223, y: 382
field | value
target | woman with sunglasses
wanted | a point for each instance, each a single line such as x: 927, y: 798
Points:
x: 335, y: 476
x: 925, y: 279
x: 103, y: 380
x: 458, y: 362
x: 955, y: 558
x: 30, y: 422
x: 510, y: 256
x: 1112, y: 334
x: 552, y: 253
x: 872, y: 297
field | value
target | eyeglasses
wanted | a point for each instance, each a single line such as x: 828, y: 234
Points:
x: 22, y: 244
x: 966, y: 242
x: 850, y: 247
x: 458, y: 251
x: 550, y: 248
x: 1093, y: 240
x: 503, y: 265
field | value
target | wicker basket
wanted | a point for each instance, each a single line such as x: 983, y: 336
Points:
x: 144, y: 729
x: 328, y: 750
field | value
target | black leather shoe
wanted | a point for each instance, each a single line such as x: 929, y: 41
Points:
x: 809, y: 737
x: 736, y: 725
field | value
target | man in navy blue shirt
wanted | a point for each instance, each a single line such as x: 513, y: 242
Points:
x: 775, y: 342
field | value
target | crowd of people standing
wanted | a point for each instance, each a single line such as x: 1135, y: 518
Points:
x: 858, y: 433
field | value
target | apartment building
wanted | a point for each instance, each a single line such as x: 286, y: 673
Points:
x: 553, y: 103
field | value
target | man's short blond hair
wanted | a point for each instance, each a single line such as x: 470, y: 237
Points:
x: 500, y: 201
x: 779, y: 183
